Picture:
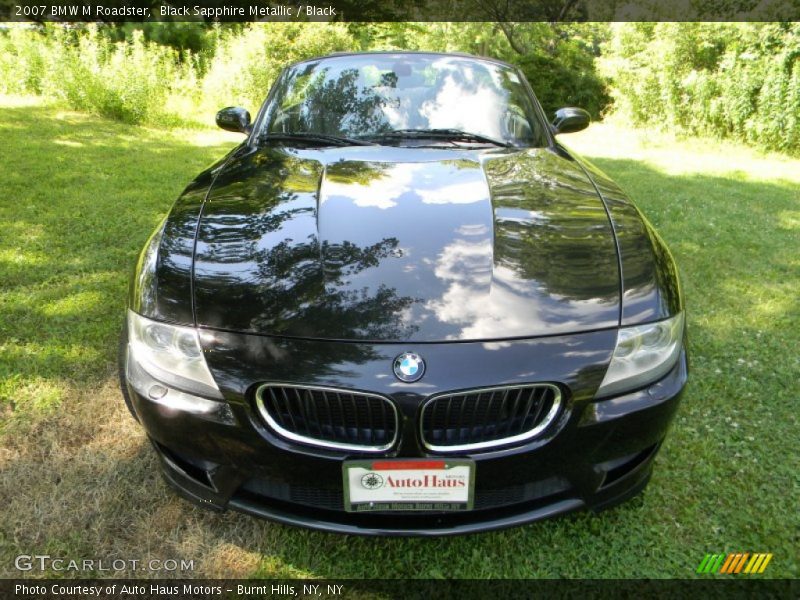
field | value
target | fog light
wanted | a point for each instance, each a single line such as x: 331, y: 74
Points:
x: 157, y: 391
x: 171, y: 402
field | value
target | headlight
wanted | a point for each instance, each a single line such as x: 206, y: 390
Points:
x: 643, y: 354
x: 170, y: 354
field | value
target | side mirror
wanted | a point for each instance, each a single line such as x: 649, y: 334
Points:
x: 234, y: 118
x: 570, y: 120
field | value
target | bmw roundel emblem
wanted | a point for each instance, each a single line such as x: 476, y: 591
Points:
x: 409, y: 367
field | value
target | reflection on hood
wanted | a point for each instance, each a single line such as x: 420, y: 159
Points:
x: 419, y: 246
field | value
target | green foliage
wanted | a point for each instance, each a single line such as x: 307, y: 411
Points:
x: 561, y: 69
x: 23, y: 59
x: 736, y: 80
x: 174, y: 72
x: 129, y: 80
x: 184, y: 36
x: 246, y: 62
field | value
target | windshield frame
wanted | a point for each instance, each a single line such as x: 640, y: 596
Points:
x: 543, y: 138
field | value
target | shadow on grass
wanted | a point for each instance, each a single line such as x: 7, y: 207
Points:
x: 82, y: 194
x: 736, y: 242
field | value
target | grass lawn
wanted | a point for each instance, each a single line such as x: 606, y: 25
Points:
x: 78, y: 197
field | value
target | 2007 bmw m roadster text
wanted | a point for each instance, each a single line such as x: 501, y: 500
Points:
x: 400, y: 306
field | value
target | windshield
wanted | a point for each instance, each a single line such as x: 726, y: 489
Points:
x: 370, y: 96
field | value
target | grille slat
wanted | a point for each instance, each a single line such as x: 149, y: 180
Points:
x: 370, y: 430
x: 460, y: 421
x: 355, y: 417
x: 275, y: 400
x: 343, y: 435
x: 504, y: 413
x: 273, y: 397
x: 448, y: 410
x: 514, y: 412
x: 306, y: 410
x: 487, y: 417
x: 301, y: 417
x: 286, y: 405
x: 527, y: 410
x: 540, y: 407
x: 384, y: 415
x: 482, y: 421
x: 330, y: 418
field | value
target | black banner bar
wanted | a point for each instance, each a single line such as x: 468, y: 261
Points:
x: 183, y: 589
x: 397, y: 10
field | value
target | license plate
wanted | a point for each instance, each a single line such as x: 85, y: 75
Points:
x: 408, y: 485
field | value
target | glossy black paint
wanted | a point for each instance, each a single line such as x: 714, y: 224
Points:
x: 404, y: 244
x: 161, y: 287
x: 570, y: 119
x: 597, y: 455
x: 234, y: 118
x: 162, y: 290
x: 319, y: 265
x: 650, y: 283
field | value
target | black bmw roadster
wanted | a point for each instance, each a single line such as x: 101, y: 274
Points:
x: 400, y: 306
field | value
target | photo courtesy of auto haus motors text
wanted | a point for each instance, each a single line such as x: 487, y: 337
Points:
x: 169, y: 590
x: 383, y: 300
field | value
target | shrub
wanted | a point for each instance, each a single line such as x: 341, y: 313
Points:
x: 23, y: 56
x: 247, y: 62
x: 129, y: 81
x: 726, y: 80
x: 738, y: 80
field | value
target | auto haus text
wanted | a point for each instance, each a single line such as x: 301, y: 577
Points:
x: 426, y: 481
x: 104, y: 591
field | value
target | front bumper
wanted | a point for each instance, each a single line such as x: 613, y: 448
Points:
x: 597, y: 454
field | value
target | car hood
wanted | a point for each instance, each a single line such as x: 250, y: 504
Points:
x: 403, y: 244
